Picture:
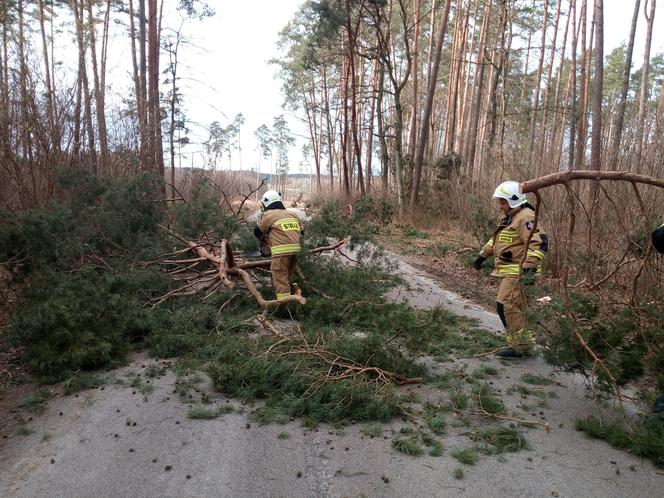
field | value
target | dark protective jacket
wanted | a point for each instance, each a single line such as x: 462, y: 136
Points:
x: 658, y: 239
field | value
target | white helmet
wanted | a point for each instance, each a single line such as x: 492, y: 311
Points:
x: 511, y: 192
x: 270, y: 197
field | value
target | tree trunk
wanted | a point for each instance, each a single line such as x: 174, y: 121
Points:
x: 499, y: 61
x: 416, y: 71
x: 372, y: 114
x: 330, y: 129
x: 598, y: 87
x: 547, y: 87
x: 5, y: 132
x: 573, y: 118
x: 620, y: 113
x: 50, y: 94
x: 431, y: 90
x: 644, y: 94
x: 351, y: 59
x: 583, y: 87
x: 344, y: 132
x: 384, y: 158
x: 154, y: 113
x: 538, y: 83
x: 477, y: 94
x: 79, y: 15
x: 99, y: 91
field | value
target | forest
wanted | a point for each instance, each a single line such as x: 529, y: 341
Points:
x: 413, y: 111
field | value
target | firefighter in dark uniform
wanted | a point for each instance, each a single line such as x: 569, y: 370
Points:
x: 508, y: 245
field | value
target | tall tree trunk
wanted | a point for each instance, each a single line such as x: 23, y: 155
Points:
x: 416, y: 71
x: 467, y: 85
x: 583, y: 87
x: 547, y: 87
x: 538, y: 83
x: 598, y: 87
x: 153, y: 111
x: 431, y: 90
x: 330, y: 128
x: 644, y: 94
x: 559, y: 119
x: 5, y: 132
x: 50, y: 94
x: 620, y: 113
x: 481, y: 65
x: 370, y: 134
x: 309, y: 103
x: 344, y: 132
x: 98, y: 90
x: 140, y: 108
x: 352, y: 33
x: 142, y: 98
x: 524, y: 79
x: 456, y: 51
x: 499, y: 60
x: 384, y: 155
x: 573, y: 118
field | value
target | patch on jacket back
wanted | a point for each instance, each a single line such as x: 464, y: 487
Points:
x: 507, y: 236
x: 530, y: 225
x: 288, y: 225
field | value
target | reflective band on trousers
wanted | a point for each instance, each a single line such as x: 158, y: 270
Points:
x: 511, y: 269
x: 521, y: 337
x: 286, y: 249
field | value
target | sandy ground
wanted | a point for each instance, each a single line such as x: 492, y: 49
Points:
x: 117, y: 442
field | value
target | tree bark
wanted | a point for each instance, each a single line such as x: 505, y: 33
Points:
x: 538, y: 83
x: 98, y: 90
x: 477, y: 94
x: 547, y: 87
x: 644, y: 94
x: 50, y: 94
x: 598, y: 87
x: 352, y: 34
x: 370, y: 134
x: 567, y: 176
x: 431, y: 90
x: 416, y: 71
x: 620, y: 113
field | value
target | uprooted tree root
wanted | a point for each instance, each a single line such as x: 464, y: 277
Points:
x: 222, y: 265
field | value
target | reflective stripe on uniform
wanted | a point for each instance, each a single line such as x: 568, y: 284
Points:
x: 508, y: 269
x: 511, y: 269
x: 521, y: 337
x: 536, y: 253
x: 286, y: 249
x: 288, y: 224
x: 281, y: 297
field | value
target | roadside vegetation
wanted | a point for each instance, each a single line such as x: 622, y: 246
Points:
x: 86, y: 265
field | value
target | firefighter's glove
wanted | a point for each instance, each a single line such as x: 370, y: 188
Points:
x: 478, y: 262
x: 528, y: 276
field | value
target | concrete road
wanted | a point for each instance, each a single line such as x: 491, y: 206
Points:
x: 114, y: 443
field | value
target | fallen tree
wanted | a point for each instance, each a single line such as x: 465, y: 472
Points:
x: 224, y: 265
x: 612, y: 329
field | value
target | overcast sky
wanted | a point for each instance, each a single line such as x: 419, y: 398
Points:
x: 228, y: 72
